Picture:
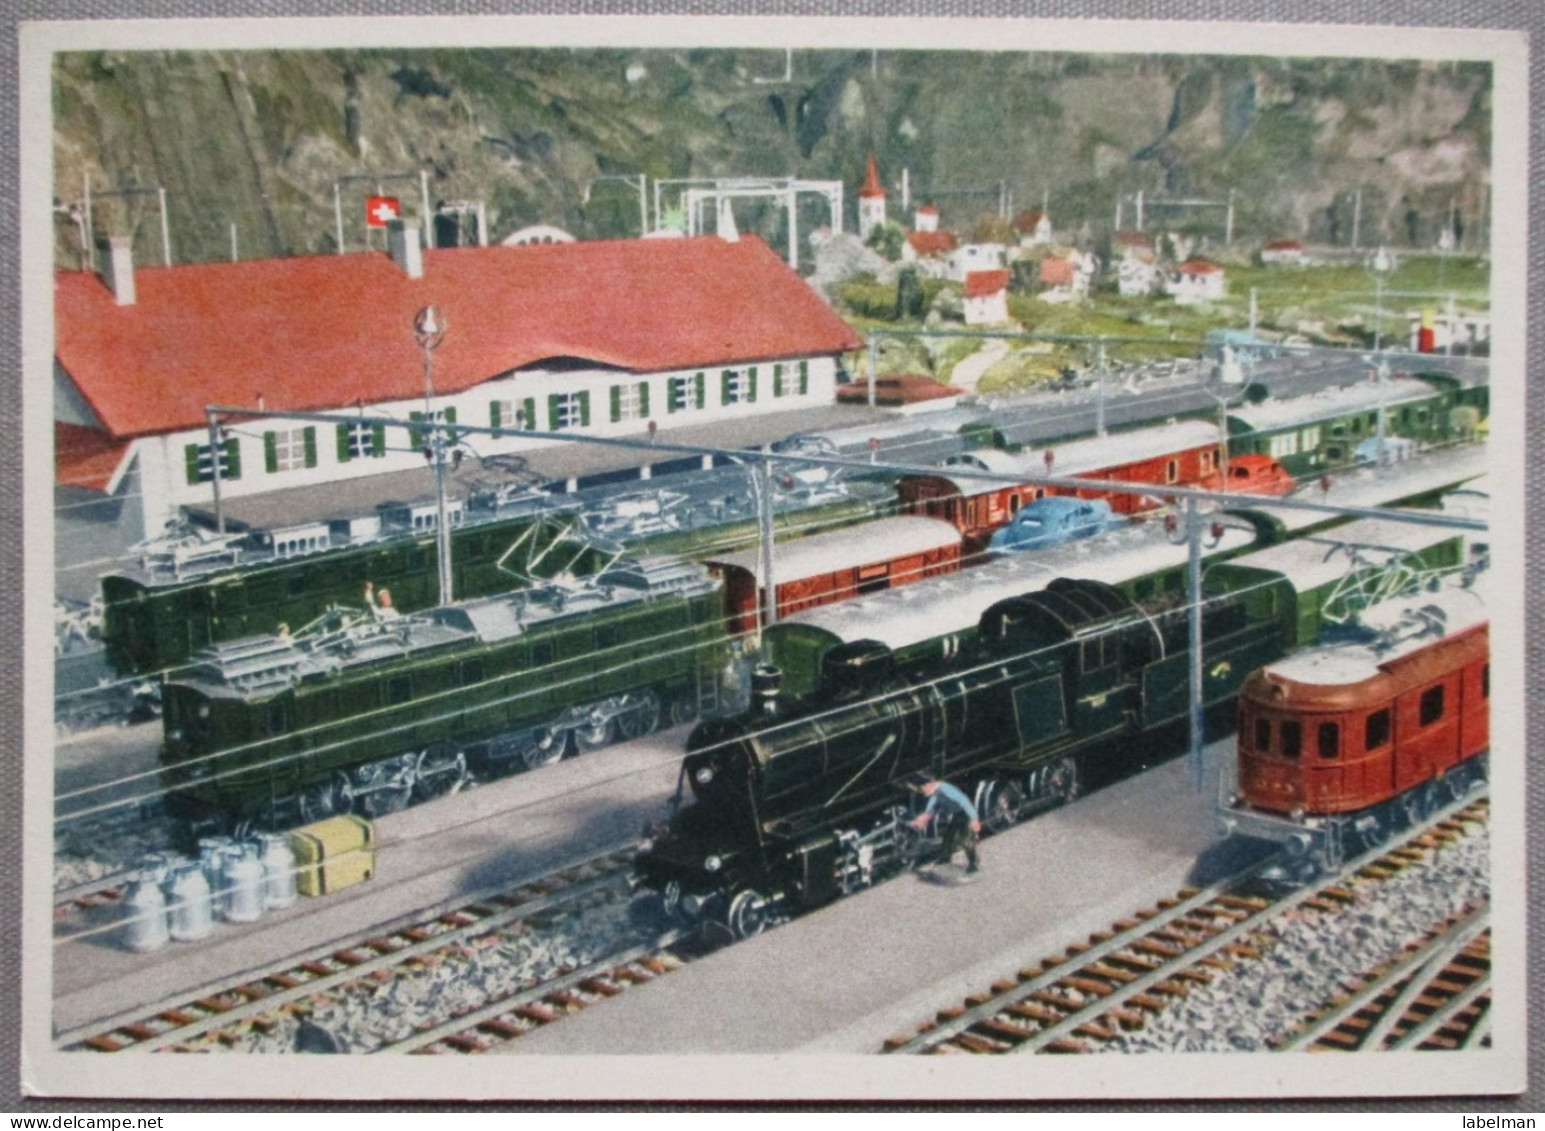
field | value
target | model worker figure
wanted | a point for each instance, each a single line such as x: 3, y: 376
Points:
x: 958, y: 819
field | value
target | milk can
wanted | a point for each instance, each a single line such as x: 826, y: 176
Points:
x: 145, y: 909
x: 212, y: 854
x: 243, y: 878
x: 191, y: 913
x: 278, y: 870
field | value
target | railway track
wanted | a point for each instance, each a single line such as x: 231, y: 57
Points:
x: 221, y: 1015
x: 1436, y: 995
x: 517, y: 1014
x: 1085, y: 999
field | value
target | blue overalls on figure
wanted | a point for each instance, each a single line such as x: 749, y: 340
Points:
x: 959, y: 822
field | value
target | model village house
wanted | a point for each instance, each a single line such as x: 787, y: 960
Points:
x: 600, y: 338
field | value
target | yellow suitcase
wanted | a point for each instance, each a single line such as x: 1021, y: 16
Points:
x: 333, y: 854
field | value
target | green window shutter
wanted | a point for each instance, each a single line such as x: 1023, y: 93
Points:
x: 344, y: 455
x: 700, y: 387
x: 378, y: 441
x: 190, y: 453
x: 584, y: 409
x: 530, y: 414
x: 309, y: 439
x: 724, y: 386
x: 751, y: 389
x: 643, y: 399
x: 270, y: 452
x: 804, y: 377
x: 777, y: 380
x: 451, y: 434
x: 553, y: 419
x: 416, y: 435
x: 616, y: 403
x: 232, y: 469
x: 495, y: 418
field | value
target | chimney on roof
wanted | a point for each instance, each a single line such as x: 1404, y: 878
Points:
x: 402, y: 240
x: 118, y: 268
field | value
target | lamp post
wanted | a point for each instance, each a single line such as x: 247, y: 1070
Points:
x: 1381, y: 264
x: 429, y: 330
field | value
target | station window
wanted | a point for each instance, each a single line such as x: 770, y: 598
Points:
x: 1329, y: 740
x: 446, y: 415
x: 1431, y: 709
x: 1376, y: 733
x: 630, y: 402
x: 517, y: 416
x: 359, y: 439
x: 201, y: 464
x: 1172, y: 471
x: 1292, y: 738
x: 683, y: 393
x: 290, y: 449
x: 737, y: 386
x: 568, y: 410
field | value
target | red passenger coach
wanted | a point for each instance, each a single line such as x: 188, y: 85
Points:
x: 1180, y: 454
x: 829, y: 567
x: 1342, y: 743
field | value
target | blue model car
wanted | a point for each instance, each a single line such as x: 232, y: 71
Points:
x: 1052, y: 521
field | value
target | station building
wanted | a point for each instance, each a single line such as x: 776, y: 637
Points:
x: 596, y: 338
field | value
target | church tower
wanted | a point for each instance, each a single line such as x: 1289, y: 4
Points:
x: 871, y: 202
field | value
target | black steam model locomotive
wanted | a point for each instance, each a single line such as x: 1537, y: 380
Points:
x: 799, y: 801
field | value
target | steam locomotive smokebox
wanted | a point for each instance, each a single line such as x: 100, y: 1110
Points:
x: 856, y: 669
x: 333, y: 854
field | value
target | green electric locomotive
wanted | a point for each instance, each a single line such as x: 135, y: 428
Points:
x: 369, y: 710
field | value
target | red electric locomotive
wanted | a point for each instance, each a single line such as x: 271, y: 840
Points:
x: 1341, y: 744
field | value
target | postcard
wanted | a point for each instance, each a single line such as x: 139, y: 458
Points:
x: 725, y: 558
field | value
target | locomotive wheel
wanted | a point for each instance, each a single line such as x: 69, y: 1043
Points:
x: 539, y: 748
x: 594, y: 736
x: 641, y: 718
x: 747, y: 914
x: 1001, y: 802
x: 441, y: 770
x: 325, y: 799
x: 1062, y: 782
x: 670, y: 899
x: 386, y: 786
x: 683, y: 710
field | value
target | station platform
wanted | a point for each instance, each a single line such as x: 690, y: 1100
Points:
x: 844, y: 978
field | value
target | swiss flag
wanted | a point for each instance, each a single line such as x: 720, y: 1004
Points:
x: 381, y: 209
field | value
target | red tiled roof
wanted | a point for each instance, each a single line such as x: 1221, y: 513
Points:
x: 321, y: 332
x: 1027, y: 222
x: 1198, y: 267
x: 1057, y: 272
x: 1132, y: 239
x: 872, y: 186
x: 1284, y: 245
x: 87, y: 457
x: 982, y: 283
x: 931, y: 243
x: 929, y: 209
